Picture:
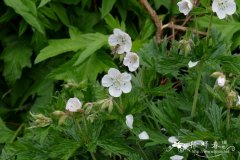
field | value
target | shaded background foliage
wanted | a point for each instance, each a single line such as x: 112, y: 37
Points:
x: 55, y: 49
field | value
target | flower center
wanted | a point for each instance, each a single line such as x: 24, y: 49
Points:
x: 133, y: 59
x: 222, y: 4
x: 185, y: 5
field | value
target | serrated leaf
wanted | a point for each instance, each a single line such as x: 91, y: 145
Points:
x: 61, y: 12
x: 16, y: 57
x: 214, y: 93
x: 6, y: 134
x: 92, y: 48
x: 27, y: 9
x: 57, y: 47
x: 107, y: 6
x: 43, y: 3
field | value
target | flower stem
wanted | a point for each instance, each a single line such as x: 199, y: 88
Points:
x: 195, y: 98
x: 16, y: 133
x: 93, y: 156
x: 228, y: 118
x: 143, y: 153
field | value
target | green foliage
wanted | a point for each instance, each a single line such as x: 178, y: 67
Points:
x: 53, y: 50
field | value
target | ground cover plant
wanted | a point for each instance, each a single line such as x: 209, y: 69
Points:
x: 119, y: 79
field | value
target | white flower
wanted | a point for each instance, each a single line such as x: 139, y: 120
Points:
x: 223, y: 7
x: 238, y: 102
x: 73, y: 105
x: 121, y: 41
x: 143, y: 135
x: 185, y: 6
x: 198, y: 143
x: 176, y: 157
x: 172, y: 139
x: 117, y: 82
x: 192, y: 64
x: 221, y: 80
x: 129, y: 121
x: 131, y: 60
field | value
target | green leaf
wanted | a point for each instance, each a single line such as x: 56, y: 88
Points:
x: 61, y: 13
x: 8, y: 15
x: 6, y: 134
x: 97, y: 43
x: 16, y: 56
x: 107, y: 6
x: 214, y: 93
x: 89, y: 69
x: 112, y: 22
x: 22, y: 28
x: 27, y: 9
x: 57, y: 47
x: 43, y: 3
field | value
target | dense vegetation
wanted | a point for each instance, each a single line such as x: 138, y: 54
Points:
x: 71, y: 86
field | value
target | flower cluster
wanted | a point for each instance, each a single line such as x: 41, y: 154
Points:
x: 221, y: 7
x: 116, y: 81
x: 122, y: 43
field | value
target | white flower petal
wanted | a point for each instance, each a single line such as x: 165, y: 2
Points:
x: 129, y: 121
x: 118, y: 31
x: 126, y: 87
x: 131, y: 60
x: 185, y: 6
x: 115, y: 91
x: 176, y: 157
x: 231, y: 8
x: 215, y: 6
x: 224, y: 7
x: 121, y: 41
x: 113, y: 40
x: 221, y: 81
x: 107, y: 81
x: 238, y: 102
x: 113, y: 72
x: 126, y: 77
x: 192, y: 64
x: 73, y: 105
x: 221, y: 14
x: 173, y: 139
x: 143, y: 135
x: 198, y: 143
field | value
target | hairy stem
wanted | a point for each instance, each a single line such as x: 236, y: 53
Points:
x: 228, y: 118
x: 93, y: 156
x: 195, y: 98
x: 143, y: 153
x: 16, y: 133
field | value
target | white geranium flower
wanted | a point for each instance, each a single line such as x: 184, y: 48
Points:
x: 117, y: 82
x: 131, y: 60
x: 238, y: 102
x: 223, y: 7
x: 192, y: 64
x: 185, y: 6
x: 221, y: 80
x: 143, y: 135
x: 73, y: 105
x: 176, y: 157
x: 198, y: 143
x: 172, y: 139
x: 121, y: 41
x: 129, y: 121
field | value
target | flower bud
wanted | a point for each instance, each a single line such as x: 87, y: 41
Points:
x: 186, y: 46
x: 39, y: 120
x: 58, y: 113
